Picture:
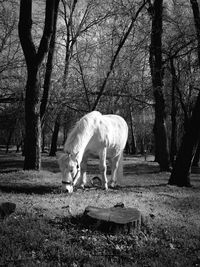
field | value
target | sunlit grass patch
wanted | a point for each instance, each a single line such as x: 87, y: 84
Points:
x: 46, y: 228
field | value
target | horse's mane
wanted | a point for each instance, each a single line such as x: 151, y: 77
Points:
x: 79, y: 134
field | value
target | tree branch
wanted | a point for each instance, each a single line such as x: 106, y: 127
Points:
x: 48, y: 30
x: 24, y: 28
x: 120, y: 45
x: 49, y: 65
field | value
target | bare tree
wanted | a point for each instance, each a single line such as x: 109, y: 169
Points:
x: 115, y: 56
x: 53, y: 148
x: 160, y: 134
x: 180, y: 175
x: 49, y: 66
x: 173, y: 144
x: 34, y: 58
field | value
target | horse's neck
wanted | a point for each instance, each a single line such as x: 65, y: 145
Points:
x: 80, y: 142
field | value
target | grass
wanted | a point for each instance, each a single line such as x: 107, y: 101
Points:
x: 47, y: 228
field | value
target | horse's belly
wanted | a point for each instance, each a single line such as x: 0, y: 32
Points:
x: 105, y: 139
x: 93, y: 152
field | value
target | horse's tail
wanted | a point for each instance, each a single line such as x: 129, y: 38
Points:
x: 120, y: 167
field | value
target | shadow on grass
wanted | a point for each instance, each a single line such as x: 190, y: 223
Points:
x: 88, y: 225
x: 130, y: 168
x: 13, y: 162
x: 50, y: 164
x: 141, y: 168
x: 132, y: 188
x: 30, y: 189
x: 10, y: 164
x: 49, y: 189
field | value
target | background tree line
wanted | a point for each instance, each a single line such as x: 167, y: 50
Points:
x: 61, y: 59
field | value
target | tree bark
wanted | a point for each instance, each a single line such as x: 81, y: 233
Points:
x: 49, y: 66
x: 196, y: 159
x: 133, y: 142
x: 33, y: 61
x: 160, y: 135
x: 32, y: 140
x: 43, y: 141
x: 53, y: 149
x: 181, y: 172
x: 70, y: 39
x: 180, y: 175
x: 173, y: 146
x: 115, y: 220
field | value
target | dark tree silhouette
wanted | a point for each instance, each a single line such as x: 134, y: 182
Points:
x: 160, y: 135
x: 173, y: 145
x: 180, y: 175
x: 195, y: 162
x: 54, y: 139
x: 49, y: 66
x: 33, y: 61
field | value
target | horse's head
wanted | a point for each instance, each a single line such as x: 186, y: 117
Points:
x: 70, y: 170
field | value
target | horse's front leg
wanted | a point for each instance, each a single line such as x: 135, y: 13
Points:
x: 102, y: 166
x: 114, y: 168
x: 83, y: 172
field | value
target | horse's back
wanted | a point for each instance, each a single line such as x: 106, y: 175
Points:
x: 110, y: 131
x: 116, y: 129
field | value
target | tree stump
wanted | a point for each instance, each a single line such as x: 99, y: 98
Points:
x: 96, y: 182
x: 117, y: 219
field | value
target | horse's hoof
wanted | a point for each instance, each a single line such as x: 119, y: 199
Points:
x: 113, y: 185
x: 83, y: 186
x: 96, y: 182
x: 106, y: 187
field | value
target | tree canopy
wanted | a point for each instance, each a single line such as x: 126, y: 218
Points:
x: 102, y: 60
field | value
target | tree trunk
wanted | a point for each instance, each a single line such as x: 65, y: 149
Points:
x: 133, y: 143
x: 142, y: 146
x: 33, y: 61
x: 53, y: 149
x: 173, y: 146
x: 32, y: 123
x: 180, y: 175
x: 43, y: 141
x: 181, y: 172
x: 160, y: 135
x: 196, y: 159
x: 19, y: 144
x: 9, y: 138
x: 114, y: 220
x: 49, y: 66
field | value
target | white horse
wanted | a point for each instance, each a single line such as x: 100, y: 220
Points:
x: 94, y: 134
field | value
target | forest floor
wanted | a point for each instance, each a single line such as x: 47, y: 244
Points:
x: 46, y: 228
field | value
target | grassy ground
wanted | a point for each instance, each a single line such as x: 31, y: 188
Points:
x: 47, y: 228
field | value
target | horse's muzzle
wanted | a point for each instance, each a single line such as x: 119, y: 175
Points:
x: 67, y: 186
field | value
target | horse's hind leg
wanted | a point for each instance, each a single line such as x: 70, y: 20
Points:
x: 114, y: 167
x: 102, y: 167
